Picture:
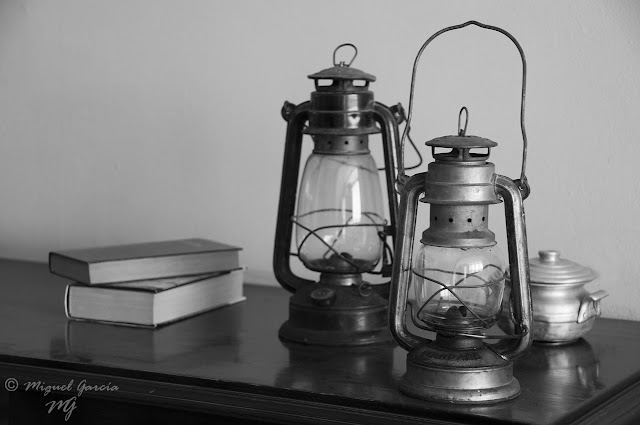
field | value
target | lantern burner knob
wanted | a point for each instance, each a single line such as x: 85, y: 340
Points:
x: 323, y: 296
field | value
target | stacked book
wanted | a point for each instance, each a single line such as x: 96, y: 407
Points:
x: 149, y: 284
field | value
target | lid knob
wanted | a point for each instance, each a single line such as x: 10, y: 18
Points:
x: 549, y: 256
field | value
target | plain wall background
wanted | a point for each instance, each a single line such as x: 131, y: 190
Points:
x: 130, y: 121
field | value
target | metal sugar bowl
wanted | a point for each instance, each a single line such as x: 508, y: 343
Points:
x: 563, y: 310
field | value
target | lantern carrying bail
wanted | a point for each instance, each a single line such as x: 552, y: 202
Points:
x: 522, y: 183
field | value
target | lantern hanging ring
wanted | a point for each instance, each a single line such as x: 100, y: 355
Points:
x: 463, y: 130
x: 522, y: 182
x: 342, y: 63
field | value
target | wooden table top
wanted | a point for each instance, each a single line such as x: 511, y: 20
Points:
x: 230, y: 361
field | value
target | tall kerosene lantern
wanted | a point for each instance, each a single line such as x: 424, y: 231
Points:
x: 459, y: 273
x: 340, y: 224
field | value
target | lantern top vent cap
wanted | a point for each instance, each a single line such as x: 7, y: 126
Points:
x: 461, y: 142
x: 342, y: 72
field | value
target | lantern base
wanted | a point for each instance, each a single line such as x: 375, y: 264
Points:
x: 472, y: 376
x: 337, y: 316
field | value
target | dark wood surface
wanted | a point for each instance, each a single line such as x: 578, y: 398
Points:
x: 230, y: 363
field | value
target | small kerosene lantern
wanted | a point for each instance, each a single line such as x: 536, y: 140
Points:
x: 341, y: 230
x: 459, y: 272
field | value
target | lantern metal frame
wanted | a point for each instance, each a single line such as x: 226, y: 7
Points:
x: 339, y: 309
x: 458, y: 366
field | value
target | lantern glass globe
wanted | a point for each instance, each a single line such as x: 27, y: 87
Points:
x: 340, y: 214
x: 459, y: 288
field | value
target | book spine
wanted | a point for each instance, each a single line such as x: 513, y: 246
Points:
x: 68, y: 267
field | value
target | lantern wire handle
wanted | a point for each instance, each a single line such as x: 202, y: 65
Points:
x: 355, y: 53
x: 411, y: 167
x: 522, y: 182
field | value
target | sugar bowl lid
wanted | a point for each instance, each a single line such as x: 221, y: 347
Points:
x: 549, y: 268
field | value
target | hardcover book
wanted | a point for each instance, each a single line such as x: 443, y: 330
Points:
x: 151, y: 303
x: 152, y: 260
x: 185, y: 342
